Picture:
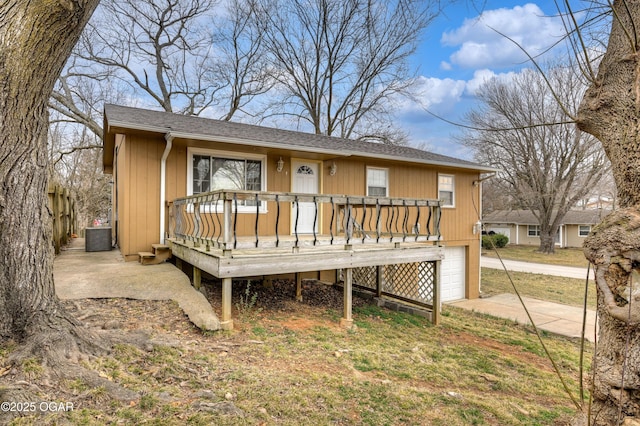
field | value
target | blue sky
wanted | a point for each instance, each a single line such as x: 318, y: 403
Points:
x: 459, y: 51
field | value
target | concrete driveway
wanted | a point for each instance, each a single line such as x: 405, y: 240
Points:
x: 548, y: 316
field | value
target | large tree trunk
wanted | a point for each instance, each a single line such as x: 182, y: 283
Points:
x: 547, y: 243
x: 36, y: 38
x: 611, y: 112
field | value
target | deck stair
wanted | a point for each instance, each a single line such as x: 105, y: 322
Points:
x: 159, y: 253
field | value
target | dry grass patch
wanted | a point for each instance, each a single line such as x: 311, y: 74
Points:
x: 568, y: 291
x: 562, y: 256
x: 293, y: 365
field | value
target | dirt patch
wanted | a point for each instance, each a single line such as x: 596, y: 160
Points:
x: 274, y: 305
x: 516, y: 352
x: 280, y: 295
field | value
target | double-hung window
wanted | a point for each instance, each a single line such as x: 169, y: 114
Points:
x: 584, y: 230
x: 533, y: 230
x: 446, y: 190
x: 213, y: 171
x: 377, y: 182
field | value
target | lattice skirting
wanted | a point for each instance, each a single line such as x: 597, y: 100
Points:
x: 410, y: 281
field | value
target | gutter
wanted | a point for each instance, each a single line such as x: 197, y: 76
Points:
x: 163, y: 178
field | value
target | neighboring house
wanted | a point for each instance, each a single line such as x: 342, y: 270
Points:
x: 522, y: 227
x: 596, y: 202
x: 286, y: 202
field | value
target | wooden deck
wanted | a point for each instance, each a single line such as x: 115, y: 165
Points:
x: 247, y: 262
x: 359, y: 232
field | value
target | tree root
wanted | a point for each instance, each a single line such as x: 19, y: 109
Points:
x: 55, y: 350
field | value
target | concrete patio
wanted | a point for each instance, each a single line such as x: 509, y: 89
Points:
x: 104, y: 274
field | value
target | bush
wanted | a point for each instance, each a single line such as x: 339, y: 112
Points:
x: 500, y: 240
x: 497, y: 240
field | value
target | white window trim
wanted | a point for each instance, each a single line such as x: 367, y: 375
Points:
x: 536, y: 230
x: 386, y: 174
x: 453, y: 192
x: 588, y: 232
x: 234, y: 155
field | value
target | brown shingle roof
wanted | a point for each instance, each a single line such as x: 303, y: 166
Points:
x: 120, y: 118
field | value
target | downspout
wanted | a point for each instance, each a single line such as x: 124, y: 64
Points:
x: 163, y: 178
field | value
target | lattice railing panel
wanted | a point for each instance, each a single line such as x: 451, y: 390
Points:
x: 411, y: 281
x: 426, y: 280
x: 365, y: 277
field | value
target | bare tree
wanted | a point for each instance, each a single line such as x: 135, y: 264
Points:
x: 76, y: 99
x: 157, y: 47
x: 547, y: 164
x: 163, y: 53
x: 495, y: 198
x: 337, y: 62
x: 76, y: 163
x: 240, y: 64
x: 35, y: 42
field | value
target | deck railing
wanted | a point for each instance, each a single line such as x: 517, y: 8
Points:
x: 273, y: 220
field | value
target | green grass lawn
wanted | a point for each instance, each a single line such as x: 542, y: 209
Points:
x: 296, y: 367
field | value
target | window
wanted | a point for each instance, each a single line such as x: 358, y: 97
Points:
x: 212, y: 171
x: 584, y: 230
x: 446, y: 190
x: 534, y: 230
x: 377, y: 182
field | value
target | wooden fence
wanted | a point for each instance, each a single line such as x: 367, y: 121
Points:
x: 65, y: 221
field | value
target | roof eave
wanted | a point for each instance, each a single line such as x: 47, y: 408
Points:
x: 116, y: 124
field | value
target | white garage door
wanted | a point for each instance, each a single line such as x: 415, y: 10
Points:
x: 503, y: 231
x: 452, y: 274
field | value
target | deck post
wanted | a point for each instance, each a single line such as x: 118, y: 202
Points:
x: 298, y: 286
x: 435, y: 319
x: 227, y: 322
x: 197, y: 277
x: 347, y: 320
x: 379, y: 280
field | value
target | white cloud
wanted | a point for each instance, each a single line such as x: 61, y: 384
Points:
x: 434, y: 94
x: 482, y: 76
x: 481, y: 45
x: 446, y: 66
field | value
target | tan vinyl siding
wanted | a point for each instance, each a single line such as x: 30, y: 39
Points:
x: 138, y: 175
x: 572, y: 236
x: 139, y: 162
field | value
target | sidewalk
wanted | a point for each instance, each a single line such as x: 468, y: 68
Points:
x: 549, y: 316
x: 95, y: 275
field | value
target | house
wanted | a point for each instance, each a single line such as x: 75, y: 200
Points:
x: 237, y: 200
x: 522, y: 227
